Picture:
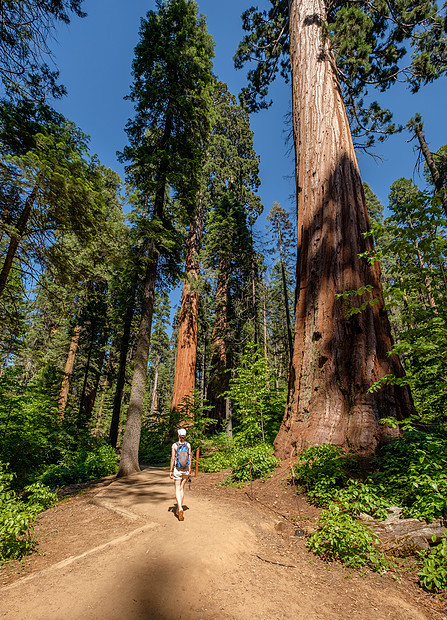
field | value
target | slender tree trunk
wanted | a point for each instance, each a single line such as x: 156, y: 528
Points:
x: 254, y: 302
x: 131, y: 440
x: 218, y: 380
x: 68, y: 371
x: 265, y: 323
x: 437, y: 179
x: 423, y: 268
x: 286, y: 297
x: 85, y: 400
x: 101, y: 405
x: 154, y: 400
x: 121, y: 376
x: 185, y: 365
x: 16, y: 238
x: 336, y: 359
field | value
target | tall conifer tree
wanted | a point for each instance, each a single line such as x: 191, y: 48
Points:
x: 171, y: 93
x: 334, y: 51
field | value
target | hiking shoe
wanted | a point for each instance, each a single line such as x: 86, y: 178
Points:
x: 180, y: 515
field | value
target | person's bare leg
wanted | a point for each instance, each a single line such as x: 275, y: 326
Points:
x: 179, y: 494
x: 182, y: 489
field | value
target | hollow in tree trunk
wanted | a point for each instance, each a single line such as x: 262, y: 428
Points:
x: 336, y: 359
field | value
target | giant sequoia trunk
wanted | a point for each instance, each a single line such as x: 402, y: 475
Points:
x: 335, y: 359
x: 185, y: 367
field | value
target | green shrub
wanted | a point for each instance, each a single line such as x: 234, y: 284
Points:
x: 17, y: 515
x: 433, y: 575
x: 340, y: 537
x: 365, y: 497
x: 249, y: 463
x: 322, y: 470
x: 413, y: 474
x: 82, y: 467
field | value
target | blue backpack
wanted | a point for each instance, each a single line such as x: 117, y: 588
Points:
x: 182, y: 456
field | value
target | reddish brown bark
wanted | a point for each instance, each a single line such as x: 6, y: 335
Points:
x: 335, y: 359
x: 16, y: 238
x: 185, y: 366
x: 68, y: 371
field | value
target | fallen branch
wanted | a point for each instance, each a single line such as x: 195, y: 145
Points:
x: 276, y: 563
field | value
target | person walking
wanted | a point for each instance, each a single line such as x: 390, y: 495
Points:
x: 180, y: 468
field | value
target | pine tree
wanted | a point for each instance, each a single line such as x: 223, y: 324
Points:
x: 171, y: 88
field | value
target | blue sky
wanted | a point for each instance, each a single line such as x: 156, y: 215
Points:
x: 94, y: 57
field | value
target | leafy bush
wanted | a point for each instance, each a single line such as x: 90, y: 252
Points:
x: 81, y: 467
x: 342, y: 538
x: 360, y: 497
x: 17, y: 515
x: 256, y: 462
x: 246, y: 462
x: 31, y: 436
x: 413, y: 473
x: 322, y: 470
x: 433, y: 575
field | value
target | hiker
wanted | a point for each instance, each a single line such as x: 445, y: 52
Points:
x: 180, y: 468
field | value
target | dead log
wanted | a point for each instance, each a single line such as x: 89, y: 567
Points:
x: 404, y: 537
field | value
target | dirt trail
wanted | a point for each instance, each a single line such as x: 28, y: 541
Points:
x: 217, y: 563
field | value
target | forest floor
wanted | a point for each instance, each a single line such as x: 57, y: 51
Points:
x: 115, y: 550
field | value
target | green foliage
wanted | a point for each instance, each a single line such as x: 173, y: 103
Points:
x: 412, y: 474
x: 340, y: 537
x: 81, y: 467
x: 30, y: 437
x: 252, y: 462
x: 17, y: 515
x: 160, y: 431
x: 246, y: 463
x: 323, y: 470
x: 257, y: 406
x: 369, y: 42
x: 433, y: 574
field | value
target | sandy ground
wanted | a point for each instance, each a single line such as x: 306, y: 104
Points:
x: 119, y: 552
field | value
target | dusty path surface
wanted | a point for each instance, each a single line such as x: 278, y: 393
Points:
x: 120, y: 553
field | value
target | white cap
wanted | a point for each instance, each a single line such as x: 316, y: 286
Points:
x: 181, y: 431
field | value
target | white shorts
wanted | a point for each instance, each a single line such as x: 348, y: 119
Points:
x: 179, y: 474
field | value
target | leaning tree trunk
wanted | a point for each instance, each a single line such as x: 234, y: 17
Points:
x: 185, y: 366
x: 336, y: 359
x: 68, y: 371
x: 16, y: 238
x: 437, y: 179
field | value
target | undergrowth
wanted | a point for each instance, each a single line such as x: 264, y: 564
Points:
x: 409, y: 472
x: 81, y: 466
x: 246, y: 462
x: 18, y: 513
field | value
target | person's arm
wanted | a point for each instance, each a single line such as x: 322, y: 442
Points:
x: 190, y: 459
x: 171, y: 468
